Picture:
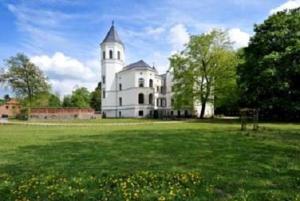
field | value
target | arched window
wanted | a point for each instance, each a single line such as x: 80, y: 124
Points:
x: 151, y: 83
x: 141, y: 98
x: 141, y: 82
x: 120, y: 101
x: 119, y: 55
x: 103, y: 56
x: 150, y: 99
x: 110, y: 54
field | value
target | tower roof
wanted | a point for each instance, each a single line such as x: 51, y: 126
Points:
x: 112, y: 35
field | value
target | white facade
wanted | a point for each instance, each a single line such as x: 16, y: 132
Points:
x: 136, y: 90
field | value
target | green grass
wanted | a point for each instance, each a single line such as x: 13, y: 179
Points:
x: 36, y: 161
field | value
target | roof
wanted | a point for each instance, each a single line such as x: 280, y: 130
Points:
x: 9, y: 102
x: 139, y: 65
x: 112, y: 36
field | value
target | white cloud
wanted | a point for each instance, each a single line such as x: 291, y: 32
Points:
x: 62, y: 65
x: 178, y: 37
x: 290, y: 4
x: 238, y: 37
x: 65, y: 73
x: 155, y: 31
x: 65, y: 87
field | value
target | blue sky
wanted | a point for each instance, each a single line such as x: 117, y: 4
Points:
x: 63, y: 36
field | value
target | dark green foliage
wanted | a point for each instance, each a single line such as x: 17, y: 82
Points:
x: 269, y: 78
x: 67, y: 101
x: 7, y: 97
x: 80, y: 97
x: 95, y: 102
x: 54, y: 101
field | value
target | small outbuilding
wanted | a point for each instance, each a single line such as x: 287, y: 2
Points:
x: 10, y: 109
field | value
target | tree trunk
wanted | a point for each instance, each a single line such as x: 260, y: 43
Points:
x: 203, y: 105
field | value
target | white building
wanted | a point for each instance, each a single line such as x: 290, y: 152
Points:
x: 137, y: 89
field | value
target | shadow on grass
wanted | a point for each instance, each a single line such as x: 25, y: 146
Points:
x: 228, y: 160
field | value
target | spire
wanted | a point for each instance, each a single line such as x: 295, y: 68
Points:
x: 112, y: 35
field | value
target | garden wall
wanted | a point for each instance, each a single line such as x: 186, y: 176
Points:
x: 62, y: 113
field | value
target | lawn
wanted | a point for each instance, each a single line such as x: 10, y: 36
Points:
x: 149, y: 161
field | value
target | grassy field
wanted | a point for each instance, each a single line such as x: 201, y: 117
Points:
x: 149, y: 161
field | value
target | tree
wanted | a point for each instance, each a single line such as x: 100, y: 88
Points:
x: 79, y: 98
x: 95, y: 101
x: 45, y: 99
x: 269, y: 77
x: 7, y: 97
x: 54, y: 101
x: 201, y: 72
x: 24, y: 78
x: 67, y: 102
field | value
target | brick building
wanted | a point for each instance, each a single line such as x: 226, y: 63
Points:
x: 10, y: 108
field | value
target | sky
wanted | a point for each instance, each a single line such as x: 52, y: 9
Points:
x: 62, y: 37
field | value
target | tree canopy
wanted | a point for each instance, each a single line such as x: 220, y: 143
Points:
x: 80, y: 98
x: 269, y: 78
x: 95, y: 101
x: 24, y: 78
x: 203, y: 72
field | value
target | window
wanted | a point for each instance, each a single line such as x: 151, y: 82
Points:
x: 7, y: 107
x: 120, y: 101
x: 141, y: 113
x: 141, y: 82
x: 110, y: 54
x: 157, y: 102
x: 162, y: 89
x: 103, y: 93
x: 162, y: 102
x: 119, y: 55
x: 151, y: 83
x: 120, y: 87
x: 103, y: 79
x: 120, y: 114
x: 172, y: 102
x: 172, y: 113
x: 150, y: 99
x: 157, y: 89
x: 141, y: 98
x: 103, y: 55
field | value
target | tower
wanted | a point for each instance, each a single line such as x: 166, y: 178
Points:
x: 112, y: 61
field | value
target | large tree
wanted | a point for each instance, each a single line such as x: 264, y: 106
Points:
x: 203, y: 70
x: 95, y: 101
x: 24, y: 78
x: 269, y: 78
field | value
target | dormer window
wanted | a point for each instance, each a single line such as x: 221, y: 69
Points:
x: 110, y: 54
